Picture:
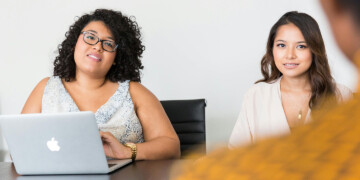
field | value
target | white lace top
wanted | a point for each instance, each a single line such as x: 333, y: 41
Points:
x: 117, y: 115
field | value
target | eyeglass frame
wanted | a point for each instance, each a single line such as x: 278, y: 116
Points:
x: 98, y: 40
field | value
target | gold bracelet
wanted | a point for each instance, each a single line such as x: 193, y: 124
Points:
x: 132, y: 146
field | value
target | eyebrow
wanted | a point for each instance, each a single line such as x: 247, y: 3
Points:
x: 109, y: 37
x: 285, y: 41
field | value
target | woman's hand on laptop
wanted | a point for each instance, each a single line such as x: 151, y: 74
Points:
x: 113, y: 148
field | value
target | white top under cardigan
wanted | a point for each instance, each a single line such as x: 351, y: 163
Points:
x: 262, y: 114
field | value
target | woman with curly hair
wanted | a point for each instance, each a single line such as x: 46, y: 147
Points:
x: 98, y: 70
x: 296, y: 79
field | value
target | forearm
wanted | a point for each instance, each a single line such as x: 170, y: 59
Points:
x: 159, y: 148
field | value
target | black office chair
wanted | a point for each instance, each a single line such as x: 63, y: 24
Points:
x: 188, y: 120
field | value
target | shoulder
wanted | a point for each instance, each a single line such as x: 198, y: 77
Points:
x: 137, y: 88
x: 41, y: 85
x: 140, y: 94
x: 262, y: 85
x: 343, y: 93
x: 33, y: 103
x: 263, y: 88
x: 261, y: 94
x: 50, y: 84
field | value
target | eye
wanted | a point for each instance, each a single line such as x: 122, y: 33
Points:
x: 280, y: 45
x: 302, y: 46
x: 90, y: 37
x: 109, y: 43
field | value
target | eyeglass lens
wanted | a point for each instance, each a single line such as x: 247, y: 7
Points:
x: 92, y: 39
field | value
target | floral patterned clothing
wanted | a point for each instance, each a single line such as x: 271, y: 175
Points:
x: 117, y: 115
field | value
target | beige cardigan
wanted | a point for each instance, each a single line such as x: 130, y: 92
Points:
x: 262, y: 114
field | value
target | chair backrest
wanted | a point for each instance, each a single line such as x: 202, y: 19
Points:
x: 188, y: 120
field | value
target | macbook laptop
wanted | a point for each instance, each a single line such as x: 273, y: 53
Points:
x: 63, y: 143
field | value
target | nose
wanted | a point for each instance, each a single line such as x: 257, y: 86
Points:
x: 98, y: 47
x: 290, y: 53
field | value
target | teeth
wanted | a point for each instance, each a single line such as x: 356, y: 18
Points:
x: 291, y: 64
x: 92, y: 56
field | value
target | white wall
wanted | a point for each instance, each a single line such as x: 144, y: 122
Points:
x: 194, y: 48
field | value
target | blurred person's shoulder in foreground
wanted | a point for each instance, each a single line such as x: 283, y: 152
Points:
x: 326, y: 148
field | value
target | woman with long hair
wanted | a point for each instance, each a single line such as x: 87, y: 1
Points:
x: 327, y: 148
x: 296, y: 80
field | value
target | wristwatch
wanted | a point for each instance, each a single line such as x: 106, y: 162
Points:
x: 132, y: 146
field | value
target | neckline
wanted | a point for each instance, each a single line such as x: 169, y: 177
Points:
x: 307, y: 118
x: 71, y: 100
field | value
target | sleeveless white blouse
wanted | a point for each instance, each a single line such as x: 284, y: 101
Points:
x: 117, y: 115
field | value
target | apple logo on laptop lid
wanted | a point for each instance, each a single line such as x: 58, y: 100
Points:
x: 53, y: 145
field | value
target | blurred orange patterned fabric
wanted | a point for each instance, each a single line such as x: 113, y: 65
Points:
x: 328, y: 148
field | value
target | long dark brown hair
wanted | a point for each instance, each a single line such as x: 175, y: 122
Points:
x: 322, y: 83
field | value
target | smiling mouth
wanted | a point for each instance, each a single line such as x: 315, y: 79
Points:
x: 291, y: 65
x: 94, y: 57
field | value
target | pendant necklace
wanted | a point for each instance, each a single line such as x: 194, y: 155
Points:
x: 299, y: 115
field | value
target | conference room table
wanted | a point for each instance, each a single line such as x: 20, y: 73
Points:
x: 152, y: 170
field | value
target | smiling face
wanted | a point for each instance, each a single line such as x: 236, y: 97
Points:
x: 292, y: 55
x: 92, y: 59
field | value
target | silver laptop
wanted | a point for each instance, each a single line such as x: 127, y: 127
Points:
x: 63, y: 143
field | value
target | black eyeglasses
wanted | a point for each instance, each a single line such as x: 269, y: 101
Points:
x: 92, y: 39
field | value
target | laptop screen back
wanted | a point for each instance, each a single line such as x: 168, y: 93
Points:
x: 64, y: 143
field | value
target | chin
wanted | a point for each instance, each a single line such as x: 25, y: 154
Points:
x: 294, y: 75
x: 92, y: 71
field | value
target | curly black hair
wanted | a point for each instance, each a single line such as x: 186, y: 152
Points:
x: 127, y: 35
